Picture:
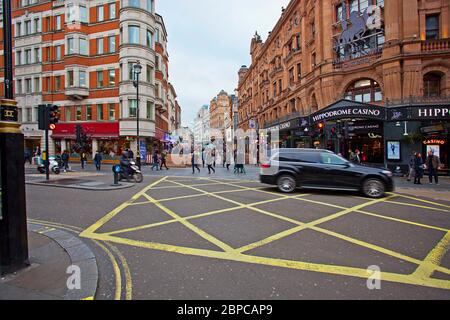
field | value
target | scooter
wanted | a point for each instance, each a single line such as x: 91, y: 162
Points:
x: 52, y: 167
x: 135, y: 172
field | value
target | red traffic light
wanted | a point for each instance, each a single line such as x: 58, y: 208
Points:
x: 321, y: 125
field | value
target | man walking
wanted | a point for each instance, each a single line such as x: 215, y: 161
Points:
x: 155, y: 161
x: 98, y: 161
x: 83, y: 159
x: 164, y: 160
x: 433, y: 164
x: 65, y: 160
x: 411, y: 173
x: 210, y: 160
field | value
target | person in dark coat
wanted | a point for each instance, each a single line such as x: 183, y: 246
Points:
x: 98, y: 161
x: 418, y: 168
x: 155, y: 160
x: 83, y: 159
x: 65, y: 160
x: 163, y: 160
x: 27, y: 155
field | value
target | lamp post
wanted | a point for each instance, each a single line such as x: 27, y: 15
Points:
x: 13, y: 217
x: 137, y: 69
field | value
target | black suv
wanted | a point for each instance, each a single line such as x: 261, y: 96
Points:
x: 322, y: 169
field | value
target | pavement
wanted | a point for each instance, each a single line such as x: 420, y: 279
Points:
x: 226, y: 236
x: 52, y: 254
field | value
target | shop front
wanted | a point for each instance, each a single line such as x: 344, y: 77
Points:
x: 419, y: 128
x: 89, y: 138
x: 347, y: 126
x: 291, y: 134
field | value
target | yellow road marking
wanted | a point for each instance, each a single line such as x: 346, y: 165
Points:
x: 305, y: 266
x: 417, y: 206
x: 128, y: 281
x: 402, y: 221
x: 190, y: 226
x: 117, y: 210
x: 88, y: 298
x: 117, y: 273
x: 331, y: 269
x: 375, y: 215
x: 433, y: 259
x: 422, y: 200
x: 197, y: 216
x: 303, y: 226
x: 118, y: 290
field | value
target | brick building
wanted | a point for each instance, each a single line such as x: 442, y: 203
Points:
x: 373, y: 73
x: 79, y: 55
x: 219, y: 111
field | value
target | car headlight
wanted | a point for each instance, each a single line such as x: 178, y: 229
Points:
x: 387, y: 173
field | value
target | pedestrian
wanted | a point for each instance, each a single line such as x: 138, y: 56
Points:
x: 418, y: 168
x: 98, y: 161
x: 239, y: 163
x: 27, y: 155
x: 155, y: 160
x: 164, y: 160
x: 37, y: 152
x: 65, y: 160
x: 356, y: 157
x: 83, y: 159
x: 433, y: 163
x: 411, y: 172
x: 195, y: 159
x: 210, y: 160
x: 203, y: 157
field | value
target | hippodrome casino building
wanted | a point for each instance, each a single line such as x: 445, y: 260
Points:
x: 354, y: 74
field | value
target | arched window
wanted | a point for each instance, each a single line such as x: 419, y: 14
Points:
x: 364, y: 90
x: 314, y: 105
x: 432, y: 84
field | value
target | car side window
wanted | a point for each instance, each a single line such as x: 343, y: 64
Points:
x: 330, y: 158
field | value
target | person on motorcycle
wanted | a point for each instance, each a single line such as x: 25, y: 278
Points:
x: 125, y: 164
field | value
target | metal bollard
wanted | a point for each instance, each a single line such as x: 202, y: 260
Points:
x: 116, y: 171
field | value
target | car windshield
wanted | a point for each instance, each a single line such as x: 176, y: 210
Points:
x: 330, y: 158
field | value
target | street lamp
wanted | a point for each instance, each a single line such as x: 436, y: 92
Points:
x: 137, y: 68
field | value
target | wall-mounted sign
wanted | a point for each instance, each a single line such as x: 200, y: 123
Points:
x: 393, y: 150
x: 430, y: 113
x: 434, y: 142
x: 364, y: 112
x: 433, y: 129
x: 398, y: 114
x: 289, y: 125
x: 8, y: 113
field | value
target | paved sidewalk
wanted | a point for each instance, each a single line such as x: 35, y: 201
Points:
x: 51, y: 252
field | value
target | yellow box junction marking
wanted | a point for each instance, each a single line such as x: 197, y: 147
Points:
x: 420, y: 277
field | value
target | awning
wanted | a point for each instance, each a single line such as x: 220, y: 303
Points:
x: 96, y: 130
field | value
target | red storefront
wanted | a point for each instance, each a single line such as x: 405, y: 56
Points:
x: 101, y: 136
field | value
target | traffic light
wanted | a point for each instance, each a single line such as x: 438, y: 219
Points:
x: 53, y: 115
x: 42, y: 117
x: 78, y: 133
x: 48, y: 116
x: 321, y: 127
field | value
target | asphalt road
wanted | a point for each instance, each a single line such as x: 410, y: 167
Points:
x: 184, y: 236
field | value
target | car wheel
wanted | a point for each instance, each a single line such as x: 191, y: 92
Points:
x: 373, y: 188
x: 286, y: 184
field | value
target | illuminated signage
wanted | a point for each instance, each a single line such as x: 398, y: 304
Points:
x: 434, y: 142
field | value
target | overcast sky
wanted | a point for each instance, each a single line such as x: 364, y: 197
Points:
x: 209, y: 40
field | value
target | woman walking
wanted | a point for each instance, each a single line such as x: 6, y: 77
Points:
x: 418, y: 168
x: 210, y: 160
x: 195, y: 161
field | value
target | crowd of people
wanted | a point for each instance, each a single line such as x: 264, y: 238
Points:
x: 207, y: 157
x: 418, y: 165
